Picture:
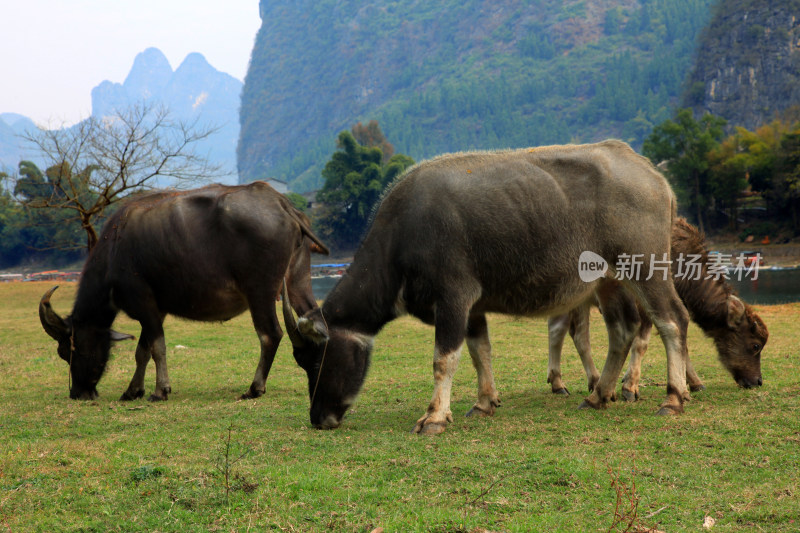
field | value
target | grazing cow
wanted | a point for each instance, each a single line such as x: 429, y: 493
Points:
x: 738, y: 332
x: 206, y: 254
x: 466, y: 234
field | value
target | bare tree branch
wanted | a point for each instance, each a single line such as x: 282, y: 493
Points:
x: 99, y: 161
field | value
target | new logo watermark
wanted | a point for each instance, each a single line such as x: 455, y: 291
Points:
x: 592, y: 266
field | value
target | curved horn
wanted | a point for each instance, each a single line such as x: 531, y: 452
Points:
x: 53, y: 324
x: 289, y: 320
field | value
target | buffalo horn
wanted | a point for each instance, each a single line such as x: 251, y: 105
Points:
x: 53, y: 324
x: 289, y: 320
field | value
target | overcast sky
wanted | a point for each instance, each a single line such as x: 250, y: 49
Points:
x: 54, y: 52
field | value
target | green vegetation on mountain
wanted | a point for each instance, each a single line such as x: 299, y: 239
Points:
x: 447, y: 76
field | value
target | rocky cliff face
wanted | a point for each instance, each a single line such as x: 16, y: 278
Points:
x: 748, y: 62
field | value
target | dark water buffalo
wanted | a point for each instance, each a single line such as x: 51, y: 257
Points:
x: 738, y: 332
x: 467, y: 234
x: 207, y: 254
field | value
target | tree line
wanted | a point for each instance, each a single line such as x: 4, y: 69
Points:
x: 746, y: 182
x: 743, y: 181
x: 54, y: 215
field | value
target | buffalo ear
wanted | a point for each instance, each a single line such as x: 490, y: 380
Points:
x: 735, y: 311
x: 116, y: 336
x: 313, y: 330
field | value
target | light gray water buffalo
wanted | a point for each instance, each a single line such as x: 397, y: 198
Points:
x: 207, y: 254
x: 738, y: 332
x: 466, y: 234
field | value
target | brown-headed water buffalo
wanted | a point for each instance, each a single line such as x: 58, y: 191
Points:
x: 466, y: 234
x: 206, y: 254
x: 738, y: 332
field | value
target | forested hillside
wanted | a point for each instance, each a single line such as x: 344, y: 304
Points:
x: 445, y: 76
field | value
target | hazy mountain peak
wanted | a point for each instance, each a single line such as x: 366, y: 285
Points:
x: 150, y: 73
x: 194, y: 61
x: 12, y: 119
x: 195, y: 91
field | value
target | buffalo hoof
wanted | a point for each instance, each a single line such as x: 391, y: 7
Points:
x: 477, y: 409
x: 427, y: 426
x: 670, y: 410
x: 630, y: 396
x: 251, y: 394
x: 432, y: 428
x: 156, y: 398
x: 562, y: 391
x: 586, y: 404
x: 696, y: 388
x: 128, y: 396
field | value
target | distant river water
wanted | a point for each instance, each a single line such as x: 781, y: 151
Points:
x: 771, y: 287
x: 322, y: 286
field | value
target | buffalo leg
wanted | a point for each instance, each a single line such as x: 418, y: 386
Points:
x: 265, y: 320
x: 630, y: 381
x: 450, y: 324
x: 622, y: 321
x: 576, y: 322
x: 557, y: 328
x: 136, y: 386
x: 163, y: 388
x: 692, y: 379
x: 480, y: 350
x: 579, y: 330
x: 151, y: 345
x: 671, y: 320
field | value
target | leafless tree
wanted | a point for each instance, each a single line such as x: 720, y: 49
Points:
x: 99, y: 161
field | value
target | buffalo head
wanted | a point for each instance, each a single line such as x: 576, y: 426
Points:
x: 740, y: 343
x: 335, y: 360
x: 84, y: 348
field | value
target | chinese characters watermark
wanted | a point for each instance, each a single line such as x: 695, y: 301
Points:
x: 717, y: 266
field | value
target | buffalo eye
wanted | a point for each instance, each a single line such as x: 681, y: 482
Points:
x: 756, y: 347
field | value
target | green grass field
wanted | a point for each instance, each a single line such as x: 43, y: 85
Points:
x: 205, y: 462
